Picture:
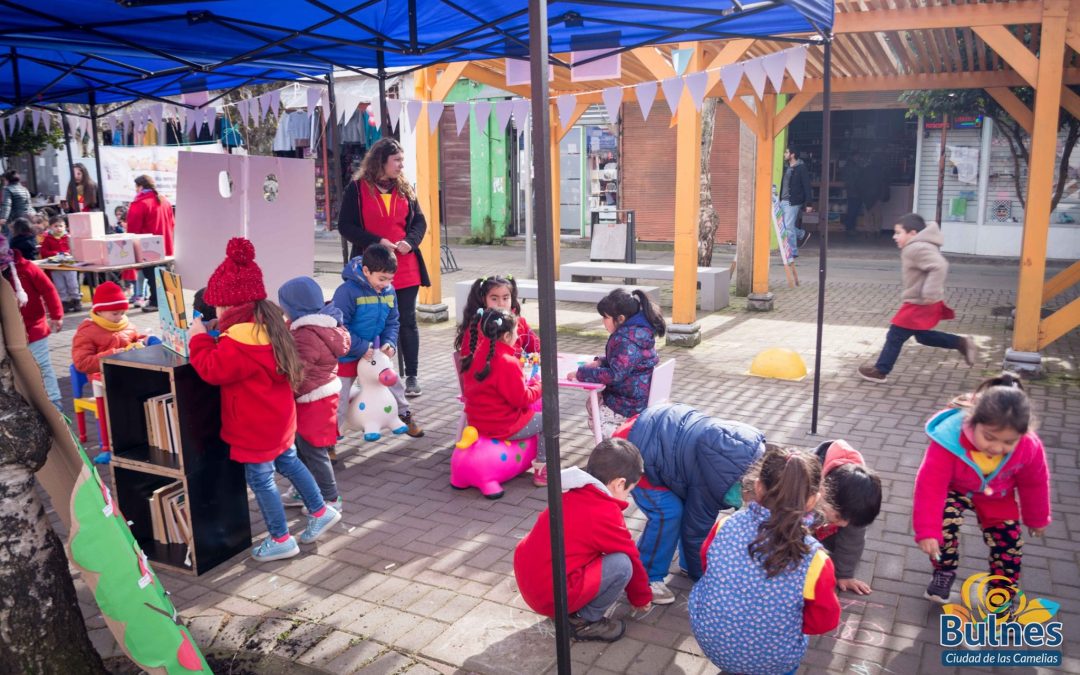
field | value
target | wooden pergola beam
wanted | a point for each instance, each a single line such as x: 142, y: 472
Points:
x: 1024, y: 62
x: 948, y: 16
x: 654, y: 62
x: 559, y: 131
x: 1061, y: 282
x: 746, y: 115
x: 447, y: 79
x: 793, y: 107
x: 1014, y: 106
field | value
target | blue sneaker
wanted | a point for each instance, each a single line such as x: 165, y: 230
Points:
x: 271, y: 550
x: 103, y: 458
x: 316, y: 527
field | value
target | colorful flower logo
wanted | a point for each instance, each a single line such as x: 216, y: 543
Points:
x: 986, y: 594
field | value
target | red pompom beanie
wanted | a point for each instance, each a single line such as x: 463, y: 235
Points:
x: 237, y: 280
x: 109, y: 297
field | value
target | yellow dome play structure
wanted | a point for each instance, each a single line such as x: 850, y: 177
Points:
x: 779, y: 364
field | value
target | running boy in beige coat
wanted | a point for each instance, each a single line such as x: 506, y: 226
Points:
x: 924, y: 270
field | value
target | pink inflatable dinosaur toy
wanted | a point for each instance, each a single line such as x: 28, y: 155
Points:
x: 483, y: 463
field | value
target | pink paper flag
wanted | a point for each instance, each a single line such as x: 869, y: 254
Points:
x: 672, y: 91
x: 502, y: 113
x: 393, y: 109
x: 481, y: 113
x: 434, y: 114
x: 210, y: 117
x: 461, y: 115
x: 242, y: 110
x: 774, y: 65
x: 521, y: 112
x: 612, y: 101
x: 313, y: 96
x: 755, y: 72
x: 646, y: 94
x: 412, y: 109
x: 566, y: 104
x: 796, y: 65
x: 267, y: 103
x: 695, y: 84
x: 608, y: 68
x: 731, y: 76
x: 275, y: 101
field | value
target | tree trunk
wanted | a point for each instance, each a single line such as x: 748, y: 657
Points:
x: 707, y: 218
x: 41, y: 628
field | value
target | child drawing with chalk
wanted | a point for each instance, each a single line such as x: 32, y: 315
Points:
x: 981, y: 459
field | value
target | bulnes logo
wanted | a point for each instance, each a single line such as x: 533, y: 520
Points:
x: 995, y: 620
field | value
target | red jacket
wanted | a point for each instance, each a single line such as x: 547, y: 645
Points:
x: 258, y: 416
x: 320, y: 340
x: 41, y: 296
x: 528, y: 342
x: 500, y: 405
x: 93, y: 342
x: 594, y: 528
x: 51, y: 245
x: 147, y: 216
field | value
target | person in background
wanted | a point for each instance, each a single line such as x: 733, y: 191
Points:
x: 795, y: 194
x: 57, y: 242
x: 150, y: 213
x: 82, y: 192
x: 23, y: 238
x: 121, y: 213
x: 15, y: 202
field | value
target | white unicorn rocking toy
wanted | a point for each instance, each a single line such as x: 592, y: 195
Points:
x: 372, y: 406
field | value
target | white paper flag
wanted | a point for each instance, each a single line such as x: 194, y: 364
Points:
x: 774, y: 65
x: 521, y: 113
x: 755, y: 72
x: 393, y: 109
x: 242, y: 110
x: 314, y: 94
x: 503, y: 109
x: 47, y: 118
x: 412, y: 109
x: 35, y: 117
x: 672, y: 91
x: 481, y: 113
x: 265, y: 103
x: 796, y: 65
x: 275, y: 101
x: 210, y: 117
x: 434, y: 114
x: 696, y: 84
x: 646, y: 94
x: 156, y: 111
x: 731, y: 76
x: 566, y: 104
x: 612, y: 101
x: 461, y: 115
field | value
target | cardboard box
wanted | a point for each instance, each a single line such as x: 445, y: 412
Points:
x: 149, y: 247
x: 119, y: 250
x: 86, y: 225
x: 90, y: 250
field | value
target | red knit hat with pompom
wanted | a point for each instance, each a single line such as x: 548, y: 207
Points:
x: 238, y: 279
x: 109, y: 297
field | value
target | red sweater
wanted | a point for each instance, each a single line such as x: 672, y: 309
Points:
x: 594, y: 528
x: 51, y: 246
x: 528, y: 342
x: 258, y: 415
x: 42, y: 298
x: 498, y: 406
x: 147, y: 216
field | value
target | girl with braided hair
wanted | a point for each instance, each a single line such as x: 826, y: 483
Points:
x: 499, y: 401
x: 494, y: 292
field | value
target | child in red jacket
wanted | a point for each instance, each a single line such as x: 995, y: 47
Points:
x: 601, y: 558
x: 57, y: 242
x: 498, y: 400
x: 320, y: 341
x: 256, y: 365
x: 40, y: 308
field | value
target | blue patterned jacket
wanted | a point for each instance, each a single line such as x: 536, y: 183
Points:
x: 626, y: 368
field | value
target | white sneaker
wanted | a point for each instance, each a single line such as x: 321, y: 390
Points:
x: 661, y: 594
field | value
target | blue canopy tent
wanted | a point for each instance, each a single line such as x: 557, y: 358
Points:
x: 94, y: 51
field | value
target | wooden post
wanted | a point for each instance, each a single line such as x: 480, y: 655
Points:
x: 687, y: 205
x: 1029, y: 290
x: 427, y: 194
x: 556, y: 196
x: 760, y: 298
x: 941, y: 168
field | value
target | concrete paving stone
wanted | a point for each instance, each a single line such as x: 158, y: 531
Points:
x: 236, y: 631
x: 328, y: 648
x: 389, y: 662
x: 431, y: 602
x: 364, y: 585
x: 457, y: 607
x: 325, y: 607
x: 348, y: 614
x: 652, y: 634
x: 383, y: 624
x: 204, y: 628
x: 496, y: 639
x: 267, y: 635
x: 242, y: 607
x: 422, y: 633
x: 688, y: 664
x: 359, y: 654
x: 302, y: 638
x: 651, y: 659
x: 618, y: 656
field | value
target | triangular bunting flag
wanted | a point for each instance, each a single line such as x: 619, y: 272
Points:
x: 566, y: 104
x: 612, y: 102
x: 796, y: 65
x: 481, y: 113
x: 156, y: 112
x: 731, y: 76
x: 646, y: 94
x: 461, y: 115
x: 755, y: 72
x: 521, y: 112
x: 210, y: 117
x: 265, y: 103
x: 3, y: 130
x: 194, y: 120
x: 680, y: 59
x: 502, y: 113
x: 774, y: 65
x: 47, y: 118
x: 348, y: 102
x: 393, y: 109
x: 275, y: 101
x: 35, y: 118
x: 434, y: 114
x: 242, y: 109
x: 695, y: 84
x: 8, y: 121
x: 253, y: 111
x: 412, y: 109
x: 314, y: 94
x: 672, y: 91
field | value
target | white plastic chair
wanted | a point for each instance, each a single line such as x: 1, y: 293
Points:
x: 663, y: 378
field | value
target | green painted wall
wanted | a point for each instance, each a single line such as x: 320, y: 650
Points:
x: 489, y: 165
x: 778, y: 161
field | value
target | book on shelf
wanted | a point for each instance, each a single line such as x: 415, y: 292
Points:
x: 169, y: 519
x: 162, y: 424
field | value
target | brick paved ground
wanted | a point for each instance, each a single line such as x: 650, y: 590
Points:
x: 417, y: 578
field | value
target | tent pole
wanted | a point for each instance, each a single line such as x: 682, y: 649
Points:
x: 71, y: 160
x: 823, y: 218
x: 332, y: 140
x: 384, y: 123
x: 97, y: 153
x: 545, y: 253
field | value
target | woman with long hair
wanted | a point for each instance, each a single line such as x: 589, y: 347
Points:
x: 82, y: 192
x: 150, y: 213
x: 379, y: 207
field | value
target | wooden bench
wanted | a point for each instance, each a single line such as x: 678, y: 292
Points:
x: 566, y: 291
x: 714, y: 282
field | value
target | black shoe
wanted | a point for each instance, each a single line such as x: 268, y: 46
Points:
x: 149, y: 308
x: 604, y: 630
x: 412, y: 387
x: 940, y: 587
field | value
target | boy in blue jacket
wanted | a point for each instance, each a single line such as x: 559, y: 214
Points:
x: 368, y: 305
x: 693, y: 468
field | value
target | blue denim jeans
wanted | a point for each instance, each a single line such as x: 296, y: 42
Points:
x: 40, y: 350
x: 791, y: 226
x: 663, y: 525
x: 897, y: 336
x: 616, y: 571
x: 260, y: 478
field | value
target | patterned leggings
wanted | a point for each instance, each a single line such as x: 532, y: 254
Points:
x: 1004, y: 540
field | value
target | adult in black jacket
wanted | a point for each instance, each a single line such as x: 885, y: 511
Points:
x: 379, y: 207
x: 795, y: 193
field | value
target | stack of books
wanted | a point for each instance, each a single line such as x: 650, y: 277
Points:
x: 169, y: 515
x: 162, y: 425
